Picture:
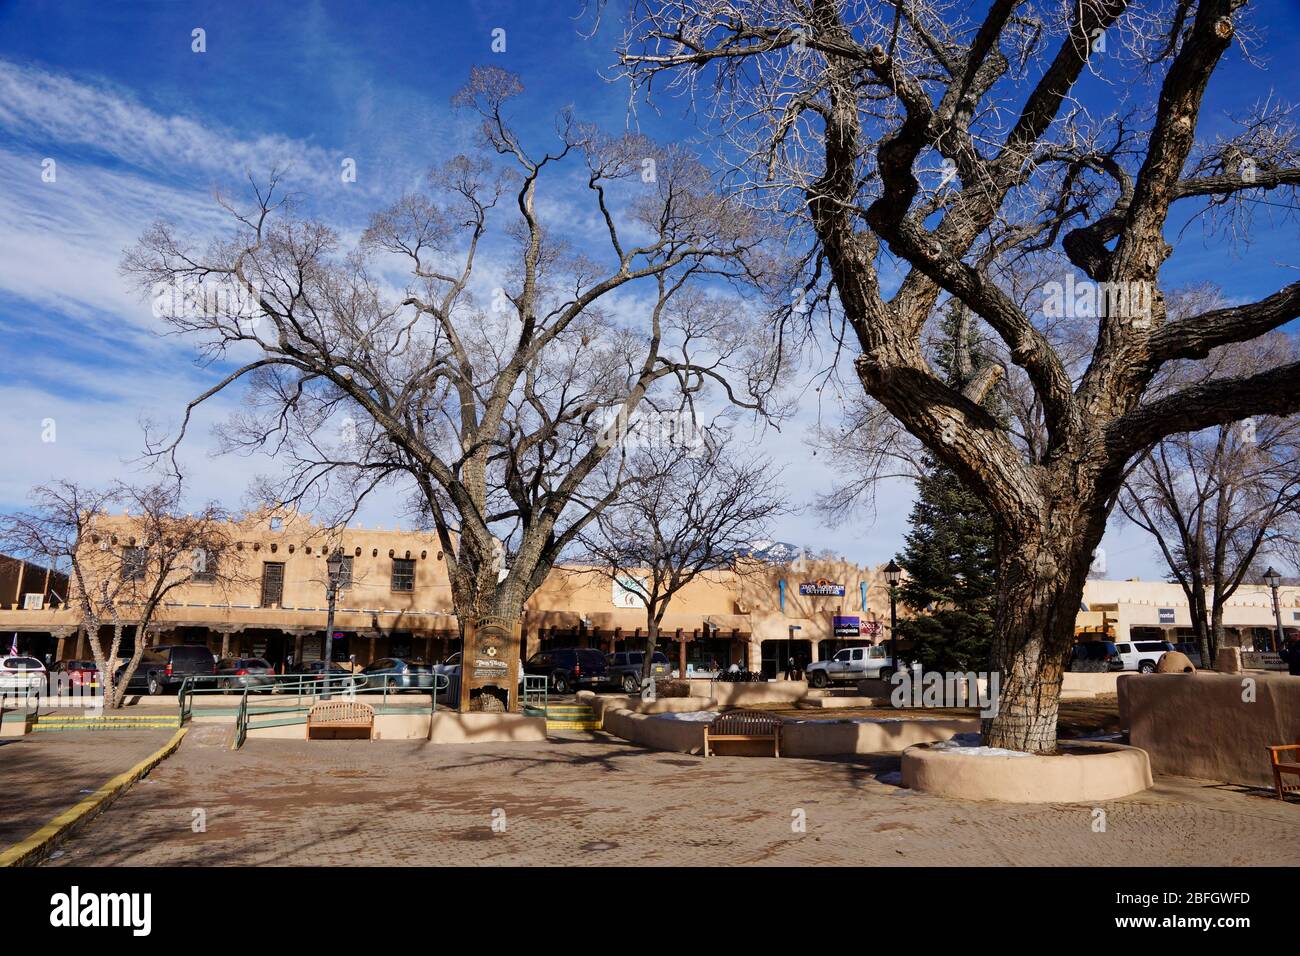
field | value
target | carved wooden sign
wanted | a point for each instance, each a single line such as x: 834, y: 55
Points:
x: 489, y: 672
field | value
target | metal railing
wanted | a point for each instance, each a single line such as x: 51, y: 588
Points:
x: 31, y: 704
x: 295, y: 696
x: 535, y: 690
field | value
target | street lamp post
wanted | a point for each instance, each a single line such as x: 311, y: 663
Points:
x: 1273, y: 579
x: 893, y: 574
x: 333, y: 566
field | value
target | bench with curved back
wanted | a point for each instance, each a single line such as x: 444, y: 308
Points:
x: 340, y: 720
x: 1281, y: 766
x: 744, y: 725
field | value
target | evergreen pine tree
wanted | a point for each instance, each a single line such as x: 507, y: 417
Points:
x: 950, y: 584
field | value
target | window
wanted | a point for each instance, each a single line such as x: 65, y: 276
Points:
x: 1123, y: 648
x: 272, y: 583
x: 134, y: 561
x: 345, y: 572
x: 205, y: 566
x: 403, y: 574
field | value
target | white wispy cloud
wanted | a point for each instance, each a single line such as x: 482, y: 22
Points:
x: 65, y: 114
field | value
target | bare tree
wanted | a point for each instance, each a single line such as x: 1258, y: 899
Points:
x: 496, y: 416
x: 121, y: 569
x: 692, y: 511
x: 1217, y: 500
x: 912, y: 139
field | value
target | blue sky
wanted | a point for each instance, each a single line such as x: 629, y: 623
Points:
x: 141, y: 127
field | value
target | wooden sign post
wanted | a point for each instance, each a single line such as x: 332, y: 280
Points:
x: 489, y: 666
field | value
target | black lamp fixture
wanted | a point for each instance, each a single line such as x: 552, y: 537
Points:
x: 334, y: 566
x: 893, y: 574
x: 1273, y: 579
x: 334, y: 563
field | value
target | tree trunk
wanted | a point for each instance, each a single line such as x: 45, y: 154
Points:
x: 1040, y: 587
x: 651, y: 643
x: 1201, y: 625
x: 1216, y: 635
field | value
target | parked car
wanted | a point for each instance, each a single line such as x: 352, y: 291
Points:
x: 851, y: 664
x: 1192, y: 650
x: 625, y: 668
x: 255, y: 673
x: 315, y: 670
x: 79, y: 673
x: 568, y: 669
x: 1141, y: 656
x: 21, y: 675
x: 1095, y: 657
x: 165, y: 667
x: 397, y: 673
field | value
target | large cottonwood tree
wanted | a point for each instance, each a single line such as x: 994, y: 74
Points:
x: 924, y: 148
x: 486, y: 344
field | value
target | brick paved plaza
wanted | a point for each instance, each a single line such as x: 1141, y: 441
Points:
x: 591, y: 799
x: 44, y: 774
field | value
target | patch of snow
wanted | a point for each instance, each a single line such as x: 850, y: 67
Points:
x: 968, y: 745
x: 699, y: 716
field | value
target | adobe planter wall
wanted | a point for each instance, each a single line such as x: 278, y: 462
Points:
x: 660, y: 705
x: 1091, y: 772
x: 449, y: 727
x: 798, y: 739
x: 1198, y: 725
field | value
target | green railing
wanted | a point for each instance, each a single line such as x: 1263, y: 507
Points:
x: 31, y: 704
x: 535, y: 693
x: 241, y: 721
x: 294, y: 697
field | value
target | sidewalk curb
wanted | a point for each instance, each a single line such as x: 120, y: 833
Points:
x: 36, y: 847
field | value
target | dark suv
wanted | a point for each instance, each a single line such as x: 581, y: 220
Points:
x: 163, y: 668
x: 625, y: 668
x: 1095, y: 657
x: 568, y: 669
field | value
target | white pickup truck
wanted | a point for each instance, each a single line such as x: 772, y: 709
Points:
x: 851, y: 664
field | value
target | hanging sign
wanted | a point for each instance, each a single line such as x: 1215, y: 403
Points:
x: 847, y: 626
x: 821, y: 588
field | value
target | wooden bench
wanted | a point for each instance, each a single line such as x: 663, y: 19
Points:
x: 744, y: 725
x: 1280, y: 768
x: 340, y: 720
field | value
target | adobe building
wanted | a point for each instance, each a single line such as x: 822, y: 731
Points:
x: 268, y: 599
x: 1158, y: 611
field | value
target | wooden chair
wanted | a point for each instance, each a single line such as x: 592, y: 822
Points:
x: 744, y: 725
x: 1280, y: 768
x: 340, y: 720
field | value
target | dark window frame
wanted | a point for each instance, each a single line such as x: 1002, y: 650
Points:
x: 133, y: 570
x: 403, y: 577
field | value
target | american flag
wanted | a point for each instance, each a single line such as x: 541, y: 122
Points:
x: 13, y: 646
